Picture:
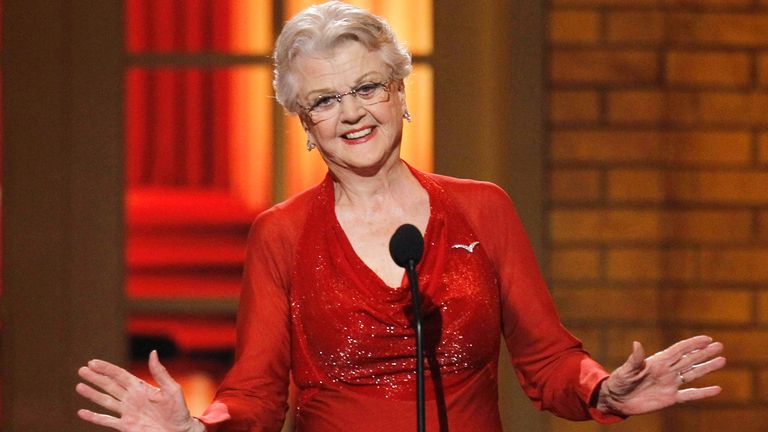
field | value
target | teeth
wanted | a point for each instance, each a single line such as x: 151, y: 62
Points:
x: 358, y: 134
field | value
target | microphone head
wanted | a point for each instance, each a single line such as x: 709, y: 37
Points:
x: 406, y: 245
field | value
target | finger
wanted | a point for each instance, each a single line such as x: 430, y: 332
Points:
x: 702, y: 369
x: 694, y: 358
x: 119, y: 375
x: 99, y: 398
x: 637, y: 358
x: 160, y: 373
x: 685, y: 346
x: 99, y: 419
x: 692, y: 394
x: 102, y: 381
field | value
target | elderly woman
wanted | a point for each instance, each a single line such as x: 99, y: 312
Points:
x: 323, y: 300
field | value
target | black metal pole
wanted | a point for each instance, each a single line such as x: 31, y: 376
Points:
x: 414, y: 282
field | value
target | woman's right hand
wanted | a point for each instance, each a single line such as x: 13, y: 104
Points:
x: 137, y: 406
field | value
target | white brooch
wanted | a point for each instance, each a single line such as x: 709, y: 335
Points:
x: 470, y: 247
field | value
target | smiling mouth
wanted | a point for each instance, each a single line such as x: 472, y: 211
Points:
x: 358, y: 134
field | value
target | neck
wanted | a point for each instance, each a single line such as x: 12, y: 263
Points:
x: 354, y: 190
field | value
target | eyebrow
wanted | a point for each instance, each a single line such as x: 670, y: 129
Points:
x: 325, y: 91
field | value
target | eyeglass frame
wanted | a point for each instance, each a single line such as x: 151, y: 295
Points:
x: 338, y: 96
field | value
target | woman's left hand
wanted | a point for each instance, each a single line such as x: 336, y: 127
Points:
x: 643, y: 385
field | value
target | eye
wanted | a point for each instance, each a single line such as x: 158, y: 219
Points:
x: 367, y: 90
x: 323, y: 102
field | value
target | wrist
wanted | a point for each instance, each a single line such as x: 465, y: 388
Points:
x: 607, y: 400
x: 196, y: 426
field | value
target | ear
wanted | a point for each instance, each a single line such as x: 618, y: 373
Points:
x: 401, y: 94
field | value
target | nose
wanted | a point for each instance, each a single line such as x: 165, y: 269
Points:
x: 350, y: 109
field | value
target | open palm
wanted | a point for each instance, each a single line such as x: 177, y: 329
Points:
x: 643, y: 385
x: 138, y: 406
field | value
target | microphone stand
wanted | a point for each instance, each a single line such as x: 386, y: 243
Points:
x: 410, y: 270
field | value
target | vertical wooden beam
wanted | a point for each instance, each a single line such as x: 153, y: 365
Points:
x: 63, y: 295
x: 489, y: 104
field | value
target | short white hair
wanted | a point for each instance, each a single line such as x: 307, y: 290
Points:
x: 318, y: 29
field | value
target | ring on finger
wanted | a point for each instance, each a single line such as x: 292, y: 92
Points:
x: 682, y: 377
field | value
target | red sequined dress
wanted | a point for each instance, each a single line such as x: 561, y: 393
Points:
x: 311, y: 307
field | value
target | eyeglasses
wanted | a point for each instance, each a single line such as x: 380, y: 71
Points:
x: 327, y: 106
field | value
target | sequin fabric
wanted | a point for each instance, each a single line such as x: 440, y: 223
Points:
x: 352, y: 330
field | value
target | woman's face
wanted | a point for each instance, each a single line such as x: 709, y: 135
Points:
x: 357, y: 137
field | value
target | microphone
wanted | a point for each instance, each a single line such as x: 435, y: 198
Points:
x: 406, y: 247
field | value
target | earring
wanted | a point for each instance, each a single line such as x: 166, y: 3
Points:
x: 407, y: 116
x: 310, y: 145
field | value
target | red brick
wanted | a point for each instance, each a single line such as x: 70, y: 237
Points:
x: 638, y: 3
x: 743, y: 187
x: 650, y: 225
x: 735, y: 265
x: 681, y: 148
x: 648, y: 422
x: 574, y: 106
x: 651, y: 264
x: 762, y: 308
x: 574, y: 264
x: 713, y: 68
x: 743, y: 345
x: 705, y: 187
x: 635, y: 106
x: 619, y: 342
x: 762, y: 69
x: 596, y: 304
x: 607, y: 2
x: 574, y: 26
x: 712, y: 3
x: 734, y: 108
x: 557, y: 424
x: 762, y: 225
x: 715, y: 419
x: 763, y: 385
x: 707, y: 225
x: 685, y: 108
x: 636, y: 185
x: 589, y: 336
x: 737, y: 384
x: 706, y: 306
x: 574, y: 185
x: 722, y: 29
x: 647, y: 26
x: 603, y: 66
x: 603, y: 226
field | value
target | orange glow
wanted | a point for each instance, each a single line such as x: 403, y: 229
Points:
x: 418, y: 136
x: 251, y: 26
x: 303, y: 169
x: 411, y: 21
x: 250, y: 135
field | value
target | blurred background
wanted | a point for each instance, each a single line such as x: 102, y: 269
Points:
x: 141, y: 137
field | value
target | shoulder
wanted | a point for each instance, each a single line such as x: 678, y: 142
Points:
x: 284, y: 220
x: 475, y: 194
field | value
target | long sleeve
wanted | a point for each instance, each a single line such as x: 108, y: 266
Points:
x: 252, y: 397
x: 553, y: 369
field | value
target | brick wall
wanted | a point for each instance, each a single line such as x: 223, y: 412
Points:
x: 658, y: 189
